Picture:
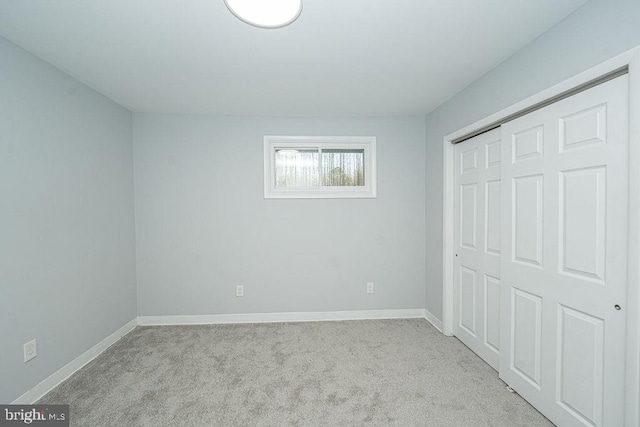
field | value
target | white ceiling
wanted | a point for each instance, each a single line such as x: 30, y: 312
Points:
x: 340, y: 58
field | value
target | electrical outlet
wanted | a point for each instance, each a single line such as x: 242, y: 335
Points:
x: 370, y: 287
x: 30, y: 350
x: 239, y: 291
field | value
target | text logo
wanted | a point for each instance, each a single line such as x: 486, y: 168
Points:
x: 34, y: 415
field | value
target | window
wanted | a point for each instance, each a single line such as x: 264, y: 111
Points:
x: 319, y: 167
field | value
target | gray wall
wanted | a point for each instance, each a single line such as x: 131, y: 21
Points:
x: 594, y: 33
x: 203, y: 226
x: 67, y: 248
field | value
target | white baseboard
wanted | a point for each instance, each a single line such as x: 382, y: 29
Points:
x: 437, y: 323
x: 66, y: 371
x: 213, y: 319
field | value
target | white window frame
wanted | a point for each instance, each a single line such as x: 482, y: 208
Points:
x: 366, y: 143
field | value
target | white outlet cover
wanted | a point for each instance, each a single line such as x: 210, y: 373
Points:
x: 240, y: 291
x: 30, y: 350
x: 370, y: 288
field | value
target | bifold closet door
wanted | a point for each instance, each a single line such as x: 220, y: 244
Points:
x: 477, y: 245
x: 564, y: 256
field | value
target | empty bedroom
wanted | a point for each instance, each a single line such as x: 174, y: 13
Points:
x: 320, y: 213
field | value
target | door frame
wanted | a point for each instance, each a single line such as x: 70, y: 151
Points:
x: 630, y: 58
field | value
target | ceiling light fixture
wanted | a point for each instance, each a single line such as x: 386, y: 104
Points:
x: 266, y: 13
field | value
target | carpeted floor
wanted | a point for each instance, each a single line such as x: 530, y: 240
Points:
x: 373, y: 372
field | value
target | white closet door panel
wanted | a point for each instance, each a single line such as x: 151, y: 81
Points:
x: 584, y: 209
x: 580, y: 364
x: 492, y: 217
x: 469, y: 215
x: 526, y: 335
x: 492, y: 313
x: 527, y: 212
x: 478, y: 245
x: 563, y: 252
x: 468, y: 304
x: 527, y: 144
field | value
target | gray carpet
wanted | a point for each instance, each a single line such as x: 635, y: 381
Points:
x: 373, y: 372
